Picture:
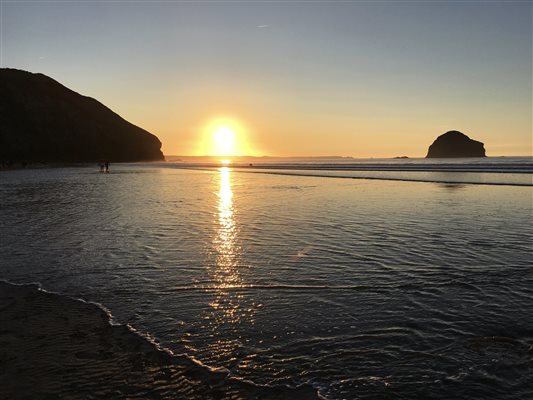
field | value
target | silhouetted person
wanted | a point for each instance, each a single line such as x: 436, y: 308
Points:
x: 101, y: 165
x: 107, y: 166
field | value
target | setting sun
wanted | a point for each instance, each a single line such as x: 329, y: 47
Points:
x: 225, y: 137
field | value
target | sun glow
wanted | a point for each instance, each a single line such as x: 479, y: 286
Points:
x: 224, y: 137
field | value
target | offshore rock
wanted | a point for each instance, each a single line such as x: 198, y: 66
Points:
x: 455, y: 144
x: 43, y: 121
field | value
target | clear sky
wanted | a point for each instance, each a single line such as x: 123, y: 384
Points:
x: 362, y: 79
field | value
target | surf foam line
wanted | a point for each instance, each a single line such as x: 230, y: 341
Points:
x: 156, y: 359
x: 418, y: 180
x: 496, y: 168
x: 318, y: 175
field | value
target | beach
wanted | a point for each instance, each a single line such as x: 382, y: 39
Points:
x: 277, y: 200
x: 260, y: 285
x: 53, y: 346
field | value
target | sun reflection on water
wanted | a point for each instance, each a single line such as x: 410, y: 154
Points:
x: 225, y: 273
x: 226, y: 233
x: 230, y: 305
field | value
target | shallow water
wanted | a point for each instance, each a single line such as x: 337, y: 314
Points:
x: 365, y: 289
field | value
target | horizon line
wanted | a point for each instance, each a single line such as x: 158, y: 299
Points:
x: 332, y: 156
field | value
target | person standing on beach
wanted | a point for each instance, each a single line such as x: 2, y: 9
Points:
x: 107, y: 166
x: 101, y: 165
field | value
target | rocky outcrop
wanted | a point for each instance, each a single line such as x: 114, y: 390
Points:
x: 455, y: 144
x: 42, y: 120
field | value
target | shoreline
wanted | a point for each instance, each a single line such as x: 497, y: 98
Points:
x: 510, y: 177
x: 55, y: 346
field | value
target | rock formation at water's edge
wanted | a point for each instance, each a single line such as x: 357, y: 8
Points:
x: 43, y: 121
x: 455, y: 144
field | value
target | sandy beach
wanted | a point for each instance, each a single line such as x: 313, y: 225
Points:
x: 52, y: 346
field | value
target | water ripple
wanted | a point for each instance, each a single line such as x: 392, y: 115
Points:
x: 364, y: 289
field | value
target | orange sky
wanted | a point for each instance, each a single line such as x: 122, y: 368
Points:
x: 359, y: 79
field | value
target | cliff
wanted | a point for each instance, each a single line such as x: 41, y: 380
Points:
x: 42, y: 120
x: 455, y: 144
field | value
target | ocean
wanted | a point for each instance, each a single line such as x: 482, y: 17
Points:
x: 371, y: 279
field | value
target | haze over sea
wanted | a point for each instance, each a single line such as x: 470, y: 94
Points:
x: 415, y: 283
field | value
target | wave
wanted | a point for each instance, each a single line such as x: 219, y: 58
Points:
x: 404, y: 178
x: 501, y: 178
x: 71, y: 347
x: 525, y: 168
x: 512, y: 172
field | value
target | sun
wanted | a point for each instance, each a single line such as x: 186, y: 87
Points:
x: 224, y: 137
x: 224, y: 141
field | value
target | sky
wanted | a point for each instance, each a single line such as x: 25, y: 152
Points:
x: 350, y: 78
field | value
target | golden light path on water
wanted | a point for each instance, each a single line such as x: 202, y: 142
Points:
x: 230, y: 308
x: 225, y: 273
x: 225, y: 241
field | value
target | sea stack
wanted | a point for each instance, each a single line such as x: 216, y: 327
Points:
x: 43, y: 121
x: 455, y: 144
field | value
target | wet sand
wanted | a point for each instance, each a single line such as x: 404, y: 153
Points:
x: 53, y: 346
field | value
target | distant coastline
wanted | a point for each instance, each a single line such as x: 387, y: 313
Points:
x: 332, y: 159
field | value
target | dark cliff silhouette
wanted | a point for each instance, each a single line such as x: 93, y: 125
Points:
x: 455, y: 144
x: 42, y: 120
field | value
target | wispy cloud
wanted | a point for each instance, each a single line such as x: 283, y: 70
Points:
x: 263, y: 26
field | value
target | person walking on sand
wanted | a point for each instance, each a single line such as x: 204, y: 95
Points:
x: 107, y: 166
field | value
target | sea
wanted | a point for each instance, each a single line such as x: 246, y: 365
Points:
x: 366, y: 279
